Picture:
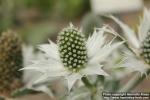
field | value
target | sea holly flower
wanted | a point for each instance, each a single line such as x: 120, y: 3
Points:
x: 139, y: 60
x: 74, y: 57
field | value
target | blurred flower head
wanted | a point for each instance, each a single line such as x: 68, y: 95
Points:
x: 139, y: 58
x: 74, y: 57
x: 11, y: 60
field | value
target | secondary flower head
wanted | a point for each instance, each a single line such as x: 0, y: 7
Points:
x: 73, y: 57
x: 139, y: 43
x: 10, y: 62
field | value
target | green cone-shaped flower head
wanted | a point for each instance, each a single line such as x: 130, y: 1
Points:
x: 72, y: 49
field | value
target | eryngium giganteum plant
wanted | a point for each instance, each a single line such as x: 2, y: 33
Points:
x: 10, y: 62
x: 74, y: 58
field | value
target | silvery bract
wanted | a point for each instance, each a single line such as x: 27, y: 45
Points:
x: 29, y: 76
x: 73, y: 57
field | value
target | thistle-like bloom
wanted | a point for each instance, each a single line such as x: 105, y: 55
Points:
x: 73, y: 57
x: 139, y: 43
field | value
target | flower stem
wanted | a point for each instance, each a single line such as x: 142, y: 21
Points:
x: 90, y: 86
x: 134, y: 82
x: 100, y: 79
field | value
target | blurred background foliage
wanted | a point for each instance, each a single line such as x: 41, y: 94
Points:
x: 35, y: 20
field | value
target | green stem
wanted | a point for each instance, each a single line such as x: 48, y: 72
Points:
x: 90, y: 86
x: 137, y: 79
x: 100, y: 79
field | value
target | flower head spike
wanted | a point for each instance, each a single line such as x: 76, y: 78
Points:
x: 138, y: 44
x: 72, y: 49
x: 74, y: 57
